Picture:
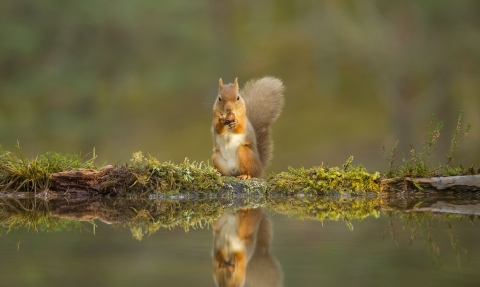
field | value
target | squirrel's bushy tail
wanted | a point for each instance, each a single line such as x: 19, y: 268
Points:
x: 263, y: 101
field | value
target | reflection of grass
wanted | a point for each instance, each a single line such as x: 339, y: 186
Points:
x: 327, y: 208
x: 31, y: 215
x: 421, y: 225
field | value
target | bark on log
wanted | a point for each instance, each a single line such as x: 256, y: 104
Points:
x: 86, y: 181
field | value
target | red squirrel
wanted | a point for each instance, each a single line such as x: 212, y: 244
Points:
x: 241, y: 126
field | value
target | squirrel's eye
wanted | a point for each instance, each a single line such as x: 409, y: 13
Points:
x: 219, y: 99
x: 238, y: 98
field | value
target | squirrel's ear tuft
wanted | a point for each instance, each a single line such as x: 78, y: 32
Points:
x: 220, y: 83
x: 235, y: 84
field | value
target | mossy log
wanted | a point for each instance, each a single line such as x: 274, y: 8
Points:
x: 123, y: 180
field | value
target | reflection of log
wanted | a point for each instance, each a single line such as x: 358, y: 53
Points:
x: 436, y: 202
x: 460, y: 183
x: 86, y: 210
x: 122, y: 180
x: 446, y: 207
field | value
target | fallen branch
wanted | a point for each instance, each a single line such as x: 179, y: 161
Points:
x: 459, y: 183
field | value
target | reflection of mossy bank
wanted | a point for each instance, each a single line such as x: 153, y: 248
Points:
x: 32, y: 215
x: 145, y: 216
x: 409, y: 217
x: 140, y: 215
x: 346, y: 208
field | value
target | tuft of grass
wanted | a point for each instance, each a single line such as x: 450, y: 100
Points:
x: 420, y: 163
x: 455, y: 142
x: 21, y: 173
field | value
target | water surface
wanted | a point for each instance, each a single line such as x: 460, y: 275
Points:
x: 376, y: 247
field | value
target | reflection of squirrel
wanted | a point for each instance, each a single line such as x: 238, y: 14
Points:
x: 241, y: 250
x: 241, y: 121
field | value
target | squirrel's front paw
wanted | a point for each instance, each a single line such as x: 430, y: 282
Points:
x: 244, y: 176
x: 231, y: 124
x: 222, y: 119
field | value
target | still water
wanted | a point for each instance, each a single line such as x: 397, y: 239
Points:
x: 317, y: 244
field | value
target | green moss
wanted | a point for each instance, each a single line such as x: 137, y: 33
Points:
x: 169, y: 178
x: 324, y: 180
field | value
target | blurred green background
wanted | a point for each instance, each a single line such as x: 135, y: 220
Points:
x: 123, y: 76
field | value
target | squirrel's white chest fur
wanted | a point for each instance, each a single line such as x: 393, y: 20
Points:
x: 228, y: 144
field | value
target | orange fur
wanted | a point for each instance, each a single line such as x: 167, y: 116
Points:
x: 249, y: 162
x: 241, y: 120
